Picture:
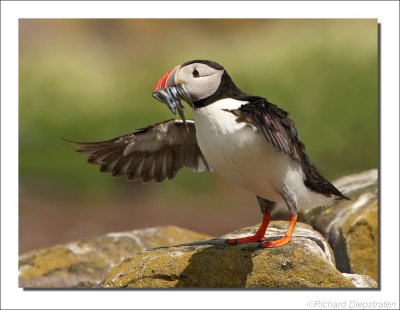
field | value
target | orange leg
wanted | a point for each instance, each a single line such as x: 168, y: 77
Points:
x: 259, y: 236
x: 286, y: 238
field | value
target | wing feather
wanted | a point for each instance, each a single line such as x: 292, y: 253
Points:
x: 279, y: 130
x: 152, y: 153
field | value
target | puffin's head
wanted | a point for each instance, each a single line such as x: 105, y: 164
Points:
x: 200, y: 78
x: 192, y: 81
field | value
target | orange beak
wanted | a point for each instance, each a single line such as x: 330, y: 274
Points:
x: 167, y: 79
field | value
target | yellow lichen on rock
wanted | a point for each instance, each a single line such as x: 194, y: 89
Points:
x: 351, y: 227
x: 306, y: 262
x: 58, y: 260
x: 86, y: 262
x: 361, y: 235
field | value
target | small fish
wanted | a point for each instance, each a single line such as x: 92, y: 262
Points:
x: 172, y: 96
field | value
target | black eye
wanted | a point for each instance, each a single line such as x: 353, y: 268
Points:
x: 196, y: 73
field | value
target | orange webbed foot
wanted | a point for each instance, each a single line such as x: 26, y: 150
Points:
x: 286, y: 238
x: 276, y: 243
x: 259, y: 235
x: 249, y: 239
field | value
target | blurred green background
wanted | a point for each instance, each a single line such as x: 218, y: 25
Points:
x: 91, y: 80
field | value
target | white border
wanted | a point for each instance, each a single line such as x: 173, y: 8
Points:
x: 12, y: 297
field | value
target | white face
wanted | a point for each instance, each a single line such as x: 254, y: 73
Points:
x: 200, y: 80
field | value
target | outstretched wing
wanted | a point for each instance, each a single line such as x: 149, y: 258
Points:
x: 152, y: 153
x: 279, y: 130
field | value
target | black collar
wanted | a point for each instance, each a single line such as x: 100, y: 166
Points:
x: 226, y: 89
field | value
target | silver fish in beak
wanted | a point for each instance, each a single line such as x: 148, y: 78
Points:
x: 171, y: 93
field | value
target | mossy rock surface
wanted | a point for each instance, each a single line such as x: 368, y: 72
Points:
x: 351, y: 227
x: 85, y: 263
x: 306, y: 262
x: 361, y: 280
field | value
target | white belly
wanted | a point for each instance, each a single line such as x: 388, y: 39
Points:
x: 240, y: 153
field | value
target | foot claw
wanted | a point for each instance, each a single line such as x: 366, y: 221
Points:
x: 275, y: 243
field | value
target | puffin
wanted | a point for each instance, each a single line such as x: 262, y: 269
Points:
x: 244, y: 137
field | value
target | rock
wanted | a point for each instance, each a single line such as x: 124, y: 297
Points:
x: 85, y: 263
x: 303, y: 234
x: 305, y: 262
x: 351, y: 227
x: 181, y: 260
x: 361, y: 281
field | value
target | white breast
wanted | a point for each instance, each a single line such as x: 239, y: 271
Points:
x: 240, y: 153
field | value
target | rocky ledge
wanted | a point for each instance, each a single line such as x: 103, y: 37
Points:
x: 85, y: 263
x: 338, y: 248
x: 305, y: 262
x: 351, y: 227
